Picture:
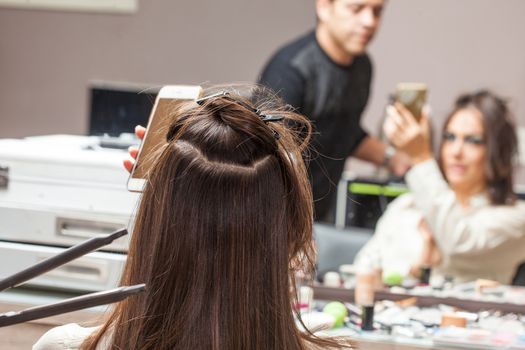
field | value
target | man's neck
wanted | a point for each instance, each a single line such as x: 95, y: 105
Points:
x: 329, y: 46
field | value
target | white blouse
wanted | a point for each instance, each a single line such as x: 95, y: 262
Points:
x: 66, y: 337
x: 483, y: 241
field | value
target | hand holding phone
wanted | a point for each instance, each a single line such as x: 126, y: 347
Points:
x: 134, y: 150
x: 408, y: 135
x: 168, y: 99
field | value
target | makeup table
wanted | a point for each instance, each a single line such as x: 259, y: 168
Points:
x: 509, y: 333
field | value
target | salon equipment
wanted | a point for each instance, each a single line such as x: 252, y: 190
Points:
x: 115, y: 109
x: 336, y: 247
x: 60, y: 259
x: 69, y: 305
x: 72, y: 304
x: 360, y: 201
x: 56, y: 191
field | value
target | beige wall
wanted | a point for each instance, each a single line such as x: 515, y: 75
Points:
x: 47, y: 59
x: 453, y: 45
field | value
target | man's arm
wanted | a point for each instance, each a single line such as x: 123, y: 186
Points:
x: 371, y: 149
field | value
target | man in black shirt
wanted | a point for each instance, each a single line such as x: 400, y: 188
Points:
x: 326, y: 75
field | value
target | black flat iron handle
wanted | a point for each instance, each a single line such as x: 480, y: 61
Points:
x: 60, y: 259
x: 69, y: 305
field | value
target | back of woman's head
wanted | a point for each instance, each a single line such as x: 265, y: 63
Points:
x: 225, y: 217
x: 500, y: 141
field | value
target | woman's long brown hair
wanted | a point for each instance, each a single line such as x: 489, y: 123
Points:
x: 225, y: 218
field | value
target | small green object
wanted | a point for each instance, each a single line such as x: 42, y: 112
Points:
x: 377, y: 190
x: 393, y: 279
x: 338, y: 311
x: 365, y: 188
x: 394, y: 191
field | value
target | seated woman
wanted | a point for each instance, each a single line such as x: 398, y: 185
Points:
x: 461, y: 215
x: 224, y: 221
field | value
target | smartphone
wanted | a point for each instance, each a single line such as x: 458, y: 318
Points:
x: 413, y: 96
x: 168, y: 98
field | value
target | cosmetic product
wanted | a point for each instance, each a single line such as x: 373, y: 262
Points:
x: 424, y: 277
x: 452, y: 319
x: 364, y: 297
x: 347, y: 273
x: 306, y: 297
x: 332, y: 279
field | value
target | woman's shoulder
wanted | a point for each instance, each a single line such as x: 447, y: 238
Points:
x: 512, y: 216
x: 66, y: 337
x: 517, y: 208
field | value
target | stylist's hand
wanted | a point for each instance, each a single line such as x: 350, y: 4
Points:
x: 133, y: 150
x: 407, y: 134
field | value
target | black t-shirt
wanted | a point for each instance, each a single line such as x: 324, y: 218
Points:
x: 333, y: 97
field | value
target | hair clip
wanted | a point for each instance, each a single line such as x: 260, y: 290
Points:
x: 226, y: 94
x: 270, y: 118
x: 200, y: 101
x: 264, y: 117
